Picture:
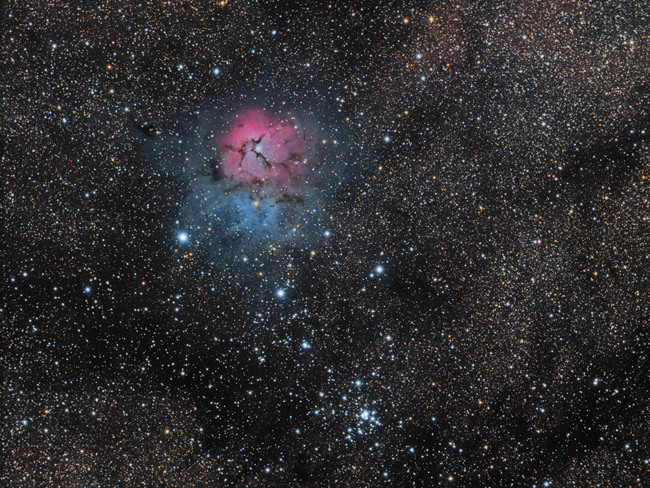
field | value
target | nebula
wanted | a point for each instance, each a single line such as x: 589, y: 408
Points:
x: 275, y: 153
x: 251, y: 178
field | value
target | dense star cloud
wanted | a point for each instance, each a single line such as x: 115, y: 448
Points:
x: 325, y: 244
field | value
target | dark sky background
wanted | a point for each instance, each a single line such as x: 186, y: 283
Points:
x: 459, y: 297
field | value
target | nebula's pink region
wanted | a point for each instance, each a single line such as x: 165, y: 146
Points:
x: 275, y: 152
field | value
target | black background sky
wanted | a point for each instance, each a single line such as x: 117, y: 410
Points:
x: 469, y: 309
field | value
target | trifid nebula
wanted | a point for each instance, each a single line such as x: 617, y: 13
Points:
x: 325, y: 244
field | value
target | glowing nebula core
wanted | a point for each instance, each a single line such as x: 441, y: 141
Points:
x: 276, y: 153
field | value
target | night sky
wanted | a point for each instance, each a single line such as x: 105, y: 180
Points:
x: 313, y: 244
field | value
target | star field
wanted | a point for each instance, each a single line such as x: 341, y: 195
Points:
x: 325, y: 244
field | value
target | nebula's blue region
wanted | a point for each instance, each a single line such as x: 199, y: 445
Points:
x: 235, y: 223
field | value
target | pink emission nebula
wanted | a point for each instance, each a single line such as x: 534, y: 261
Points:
x: 276, y: 153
